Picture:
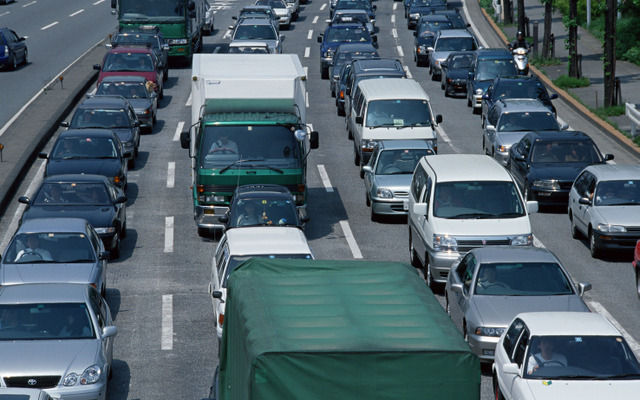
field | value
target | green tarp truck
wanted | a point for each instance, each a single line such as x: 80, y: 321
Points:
x: 303, y: 329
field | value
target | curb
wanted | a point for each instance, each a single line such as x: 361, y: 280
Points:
x: 604, y: 125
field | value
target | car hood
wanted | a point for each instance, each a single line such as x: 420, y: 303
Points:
x: 481, y: 84
x: 272, y: 44
x: 399, y: 182
x: 480, y: 227
x: 498, y: 311
x: 13, y: 274
x: 582, y: 389
x: 139, y: 103
x: 509, y: 138
x: 425, y: 40
x: 560, y: 171
x: 440, y: 55
x: 109, y: 167
x: 620, y: 215
x: 148, y: 75
x: 48, y: 357
x: 98, y: 216
x: 125, y: 134
x: 458, y: 73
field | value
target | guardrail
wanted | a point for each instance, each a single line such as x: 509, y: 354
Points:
x: 632, y: 111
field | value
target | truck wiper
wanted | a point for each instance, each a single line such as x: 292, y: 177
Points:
x: 472, y: 215
x: 238, y: 162
x: 388, y: 124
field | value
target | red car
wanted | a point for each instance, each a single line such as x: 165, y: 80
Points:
x: 636, y: 266
x: 137, y: 61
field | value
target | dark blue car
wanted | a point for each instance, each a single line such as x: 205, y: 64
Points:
x: 13, y: 49
x: 426, y: 29
x: 487, y: 65
x: 334, y: 36
x: 422, y: 7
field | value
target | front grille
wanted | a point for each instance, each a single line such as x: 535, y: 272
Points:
x: 232, y: 188
x: 469, y: 244
x: 33, y: 382
x: 401, y: 194
x: 633, y: 228
x: 565, y: 185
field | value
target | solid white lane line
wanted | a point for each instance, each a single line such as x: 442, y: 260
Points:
x: 227, y: 34
x: 179, y: 128
x: 49, y: 26
x: 76, y: 13
x: 188, y: 103
x: 315, y: 20
x: 325, y: 178
x: 351, y: 240
x: 168, y: 234
x: 400, y: 52
x: 167, y: 322
x: 171, y: 174
x: 310, y: 34
x: 394, y: 33
x: 599, y: 308
x: 307, y: 52
x: 406, y: 70
x: 322, y: 7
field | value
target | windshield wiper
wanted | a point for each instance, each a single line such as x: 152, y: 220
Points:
x: 476, y: 215
x: 508, y: 215
x: 239, y: 162
x: 616, y: 376
x: 275, y: 169
x: 388, y: 124
x: 78, y: 261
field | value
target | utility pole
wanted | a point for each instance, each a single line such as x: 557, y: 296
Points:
x: 610, y: 53
x: 572, y: 45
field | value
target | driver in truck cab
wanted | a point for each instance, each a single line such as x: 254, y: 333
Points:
x: 224, y: 143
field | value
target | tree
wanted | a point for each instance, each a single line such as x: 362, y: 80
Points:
x: 521, y: 16
x: 610, y: 53
x: 571, y: 23
x: 548, y: 17
x: 507, y: 4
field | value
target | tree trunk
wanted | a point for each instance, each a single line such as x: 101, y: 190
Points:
x: 610, y: 54
x: 521, y: 17
x: 546, y: 41
x: 507, y: 11
x: 572, y: 45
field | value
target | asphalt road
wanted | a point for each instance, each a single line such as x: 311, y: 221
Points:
x: 157, y: 290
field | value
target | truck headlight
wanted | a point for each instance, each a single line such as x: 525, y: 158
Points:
x: 142, y: 111
x: 611, y: 228
x: 368, y: 145
x: 503, y: 148
x: 177, y: 41
x: 444, y: 243
x: 489, y: 331
x: 210, y: 198
x: 385, y: 193
x: 414, y: 15
x: 522, y: 240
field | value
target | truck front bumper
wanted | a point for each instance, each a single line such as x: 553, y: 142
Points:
x: 207, y: 216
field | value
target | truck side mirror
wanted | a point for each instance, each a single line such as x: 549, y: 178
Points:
x: 438, y: 118
x: 314, y: 139
x: 96, y: 67
x: 185, y: 139
x: 420, y: 208
x: 359, y: 120
x: 217, y: 295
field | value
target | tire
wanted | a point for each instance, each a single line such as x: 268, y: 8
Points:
x: 204, y: 232
x: 434, y: 77
x: 475, y: 110
x: 13, y: 63
x: 25, y: 59
x: 374, y: 217
x: 132, y: 162
x: 161, y: 94
x: 356, y: 156
x: 115, y: 250
x: 446, y: 91
x: 638, y: 283
x: 526, y: 194
x: 468, y: 101
x: 165, y: 76
x: 428, y: 276
x: 123, y: 231
x: 575, y: 233
x: 361, y: 171
x: 324, y: 73
x: 413, y: 256
x: 368, y: 200
x: 496, y: 389
x: 333, y: 93
x: 349, y: 133
x: 341, y: 112
x: 442, y: 86
x: 593, y: 246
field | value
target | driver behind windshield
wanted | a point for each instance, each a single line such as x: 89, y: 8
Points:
x: 546, y: 357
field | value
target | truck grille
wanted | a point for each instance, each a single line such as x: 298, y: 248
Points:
x: 33, y: 382
x: 232, y: 188
x: 465, y: 245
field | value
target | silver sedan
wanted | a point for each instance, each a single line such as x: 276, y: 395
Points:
x: 487, y: 287
x: 57, y: 337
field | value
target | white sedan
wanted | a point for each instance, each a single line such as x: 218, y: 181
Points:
x: 564, y: 355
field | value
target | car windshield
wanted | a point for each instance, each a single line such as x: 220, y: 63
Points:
x: 71, y: 194
x: 255, y: 32
x: 258, y: 211
x: 84, y: 147
x: 45, y: 321
x: 580, y: 358
x: 477, y: 200
x: 347, y: 35
x: 399, y: 162
x: 430, y: 28
x: 521, y: 90
x: 234, y: 261
x: 341, y: 58
x: 128, y: 90
x: 49, y: 247
x: 398, y: 113
x: 557, y: 151
x: 137, y: 39
x: 100, y: 118
x: 455, y: 44
x: 521, y: 279
x: 136, y: 62
x: 462, y: 61
x: 490, y: 69
x: 527, y: 121
x: 363, y: 18
x: 354, y: 5
x: 618, y: 193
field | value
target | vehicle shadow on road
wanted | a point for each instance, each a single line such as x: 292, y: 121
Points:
x: 329, y: 205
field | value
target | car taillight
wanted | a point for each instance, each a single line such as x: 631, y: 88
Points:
x: 220, y: 319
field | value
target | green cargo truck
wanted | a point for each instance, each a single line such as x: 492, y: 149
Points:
x: 298, y: 329
x: 248, y: 127
x: 180, y: 21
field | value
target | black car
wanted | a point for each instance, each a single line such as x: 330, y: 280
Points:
x: 339, y: 34
x: 487, y: 64
x: 341, y: 89
x: 516, y: 87
x: 14, y: 49
x: 114, y: 113
x: 418, y: 8
x: 258, y: 205
x: 356, y: 5
x: 88, y: 151
x: 455, y: 71
x: 545, y: 164
x: 454, y: 16
x: 92, y: 197
x: 134, y: 89
x: 426, y: 29
x: 344, y: 54
x: 148, y: 37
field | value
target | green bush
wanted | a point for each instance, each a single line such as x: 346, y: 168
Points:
x: 632, y: 55
x: 614, y: 111
x: 543, y: 62
x: 567, y: 82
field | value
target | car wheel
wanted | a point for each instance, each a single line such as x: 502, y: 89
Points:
x: 374, y: 216
x: 413, y: 257
x: 447, y: 308
x: 103, y: 291
x: 324, y: 73
x: 204, y: 232
x: 468, y: 101
x: 161, y: 94
x: 465, y: 335
x: 132, y: 162
x: 496, y: 389
x: 356, y: 156
x: 434, y: 76
x: 25, y: 59
x: 361, y: 171
x: 575, y: 233
x: 367, y: 201
x: 427, y: 273
x: 475, y: 110
x: 593, y: 245
x: 13, y: 63
x: 341, y: 112
x: 153, y: 120
x: 527, y: 195
x: 442, y: 86
x: 638, y: 283
x: 333, y: 93
x: 446, y: 90
x: 123, y: 231
x: 115, y: 249
x: 349, y: 134
x: 165, y: 76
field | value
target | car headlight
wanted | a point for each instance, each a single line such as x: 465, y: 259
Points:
x: 522, y: 240
x: 611, y: 228
x: 479, y: 92
x: 128, y: 145
x: 503, y: 148
x: 143, y: 111
x: 384, y: 193
x: 104, y: 231
x: 368, y: 145
x: 438, y: 63
x: 90, y: 375
x: 489, y: 331
x: 444, y: 243
x: 177, y: 41
x: 547, y: 184
x: 414, y: 15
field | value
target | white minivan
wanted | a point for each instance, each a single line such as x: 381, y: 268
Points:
x: 389, y: 108
x: 458, y: 202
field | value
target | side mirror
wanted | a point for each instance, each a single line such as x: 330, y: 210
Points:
x: 553, y: 96
x: 490, y: 128
x: 24, y: 200
x: 314, y: 139
x: 456, y: 288
x: 104, y: 255
x: 114, y: 3
x: 96, y: 67
x: 359, y: 120
x: 109, y: 331
x: 64, y: 124
x: 108, y: 45
x: 438, y: 118
x: 281, y: 37
x: 347, y: 91
x: 43, y: 155
x: 374, y: 39
x: 430, y: 48
x: 608, y: 157
x: 415, y: 33
x: 319, y: 39
x: 231, y: 27
x: 564, y: 127
x: 532, y: 206
x: 420, y: 208
x: 584, y: 201
x: 185, y: 139
x: 121, y: 199
x: 511, y: 369
x: 234, y: 18
x: 583, y: 287
x: 217, y: 295
x: 485, y: 96
x: 444, y: 64
x: 374, y: 8
x: 223, y: 218
x: 136, y: 124
x: 521, y: 158
x: 367, y: 168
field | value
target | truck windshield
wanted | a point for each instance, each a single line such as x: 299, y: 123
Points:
x: 398, y: 113
x: 140, y: 9
x: 263, y: 146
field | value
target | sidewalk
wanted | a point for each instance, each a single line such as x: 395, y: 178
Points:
x: 592, y: 67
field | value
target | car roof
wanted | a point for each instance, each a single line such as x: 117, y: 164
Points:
x: 392, y: 88
x: 376, y: 65
x: 402, y: 144
x: 490, y: 53
x: 261, y: 188
x: 248, y: 43
x: 261, y: 240
x: 615, y: 172
x: 87, y: 132
x: 254, y: 21
x: 130, y: 49
x: 346, y: 25
x: 256, y: 7
x: 521, y: 105
x: 527, y: 254
x: 434, y: 17
x: 124, y: 78
x: 454, y: 33
x: 104, y: 101
x: 350, y: 47
x: 38, y: 225
x: 350, y: 11
x: 517, y: 78
x: 566, y: 323
x: 76, y: 178
x: 30, y: 293
x: 466, y: 167
x: 558, y: 135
